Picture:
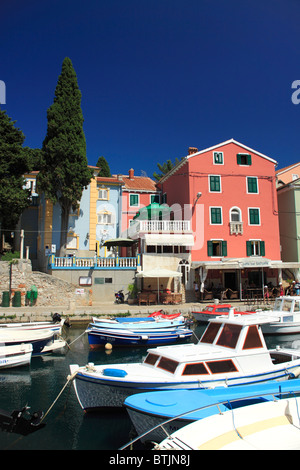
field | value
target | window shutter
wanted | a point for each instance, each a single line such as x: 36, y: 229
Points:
x: 224, y: 248
x: 262, y: 248
x: 209, y: 248
x: 249, y: 248
x: 238, y: 159
x: 249, y: 160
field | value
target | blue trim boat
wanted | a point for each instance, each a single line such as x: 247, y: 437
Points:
x: 38, y: 338
x: 163, y: 413
x: 140, y: 323
x: 144, y: 337
x: 232, y: 351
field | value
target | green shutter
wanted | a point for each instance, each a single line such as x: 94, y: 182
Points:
x: 249, y: 160
x: 209, y: 248
x: 252, y: 184
x: 262, y: 248
x: 224, y: 248
x: 249, y: 248
x: 216, y: 217
x: 238, y: 159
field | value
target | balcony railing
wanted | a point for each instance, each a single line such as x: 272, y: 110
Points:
x: 236, y: 228
x: 74, y: 262
x: 164, y: 226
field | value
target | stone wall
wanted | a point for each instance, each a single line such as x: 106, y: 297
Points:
x: 51, y: 290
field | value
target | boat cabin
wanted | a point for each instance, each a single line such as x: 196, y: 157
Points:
x: 227, y: 346
x: 287, y: 304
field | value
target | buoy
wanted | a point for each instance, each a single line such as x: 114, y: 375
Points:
x: 108, y: 346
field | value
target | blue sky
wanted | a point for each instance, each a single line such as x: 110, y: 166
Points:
x: 158, y: 76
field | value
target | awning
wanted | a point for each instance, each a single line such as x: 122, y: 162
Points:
x: 159, y: 272
x: 169, y: 239
x: 119, y: 242
x: 245, y: 263
x: 153, y: 211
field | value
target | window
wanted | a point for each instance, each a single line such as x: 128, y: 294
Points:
x: 134, y: 200
x: 252, y: 185
x: 219, y: 367
x: 210, y: 333
x: 252, y: 339
x: 235, y: 215
x: 229, y: 336
x: 243, y: 159
x: 151, y: 359
x: 254, y: 218
x: 215, y: 183
x: 218, y: 158
x: 154, y: 198
x: 255, y: 248
x: 216, y: 215
x: 216, y: 248
x: 168, y: 364
x: 105, y: 218
x: 196, y: 368
x: 103, y: 193
x: 71, y: 241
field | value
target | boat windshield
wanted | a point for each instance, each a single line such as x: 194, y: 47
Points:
x: 210, y: 333
x: 287, y: 305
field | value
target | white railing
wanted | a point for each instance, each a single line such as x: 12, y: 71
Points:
x: 236, y: 228
x: 95, y: 262
x: 167, y: 226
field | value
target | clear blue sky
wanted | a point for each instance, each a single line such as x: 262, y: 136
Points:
x: 158, y: 76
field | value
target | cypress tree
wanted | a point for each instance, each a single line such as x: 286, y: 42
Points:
x: 104, y: 167
x: 64, y: 169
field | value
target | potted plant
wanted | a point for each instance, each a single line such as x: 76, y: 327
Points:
x: 132, y: 296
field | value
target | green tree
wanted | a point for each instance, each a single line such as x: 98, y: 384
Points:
x: 13, y: 164
x: 164, y: 168
x: 64, y: 171
x: 104, y: 167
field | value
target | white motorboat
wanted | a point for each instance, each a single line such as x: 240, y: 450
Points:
x: 285, y: 316
x: 273, y: 425
x: 38, y: 338
x: 14, y: 356
x: 37, y: 325
x: 232, y: 351
x: 57, y: 345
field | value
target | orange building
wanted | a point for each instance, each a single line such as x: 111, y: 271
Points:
x: 229, y: 193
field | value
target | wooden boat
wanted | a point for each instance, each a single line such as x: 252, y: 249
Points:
x: 38, y: 325
x: 285, y: 316
x: 212, y: 311
x: 38, y: 338
x: 273, y: 425
x: 140, y: 323
x: 98, y: 336
x: 155, y: 415
x: 15, y: 356
x: 232, y: 351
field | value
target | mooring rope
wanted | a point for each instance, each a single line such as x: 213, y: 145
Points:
x: 69, y: 379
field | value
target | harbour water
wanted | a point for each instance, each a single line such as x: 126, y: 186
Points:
x: 67, y: 426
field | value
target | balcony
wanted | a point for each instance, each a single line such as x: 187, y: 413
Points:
x: 97, y: 263
x: 162, y: 226
x: 236, y: 228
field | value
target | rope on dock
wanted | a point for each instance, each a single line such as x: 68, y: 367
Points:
x: 69, y: 379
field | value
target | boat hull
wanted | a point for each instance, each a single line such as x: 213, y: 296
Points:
x: 38, y: 339
x: 15, y: 356
x: 176, y: 409
x: 99, y: 337
x: 94, y: 390
x: 281, y: 328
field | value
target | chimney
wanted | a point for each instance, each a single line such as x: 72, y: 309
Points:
x: 131, y: 174
x: 192, y: 150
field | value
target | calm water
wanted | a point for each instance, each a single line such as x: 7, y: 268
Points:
x: 67, y: 426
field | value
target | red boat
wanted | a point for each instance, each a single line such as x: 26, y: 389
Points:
x: 162, y: 314
x: 215, y: 310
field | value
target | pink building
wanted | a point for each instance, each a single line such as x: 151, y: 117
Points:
x: 228, y: 191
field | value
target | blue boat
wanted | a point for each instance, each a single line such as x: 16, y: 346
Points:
x: 182, y: 407
x: 140, y: 323
x: 125, y: 337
